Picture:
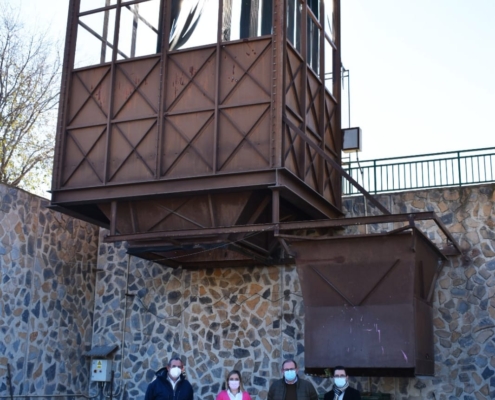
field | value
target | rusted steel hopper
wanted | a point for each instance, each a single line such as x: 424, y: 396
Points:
x: 178, y: 116
x: 368, y: 303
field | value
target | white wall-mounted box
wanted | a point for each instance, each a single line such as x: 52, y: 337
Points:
x: 101, y: 370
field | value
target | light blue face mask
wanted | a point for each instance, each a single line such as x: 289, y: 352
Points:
x: 339, y: 381
x: 290, y: 375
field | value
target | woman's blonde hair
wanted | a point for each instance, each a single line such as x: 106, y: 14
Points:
x: 234, y: 372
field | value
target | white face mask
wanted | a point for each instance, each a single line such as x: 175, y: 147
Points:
x: 234, y: 385
x: 339, y: 382
x: 175, y: 372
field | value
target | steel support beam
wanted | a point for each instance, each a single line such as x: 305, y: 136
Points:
x: 287, y: 226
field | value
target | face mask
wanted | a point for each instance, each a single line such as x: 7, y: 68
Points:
x: 234, y: 385
x: 290, y: 375
x: 175, y: 372
x: 339, y: 382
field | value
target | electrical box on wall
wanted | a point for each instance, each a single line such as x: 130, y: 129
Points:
x: 101, y: 370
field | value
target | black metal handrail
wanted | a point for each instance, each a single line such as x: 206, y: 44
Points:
x: 453, y: 168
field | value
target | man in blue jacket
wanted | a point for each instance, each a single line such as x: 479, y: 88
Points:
x: 170, y: 383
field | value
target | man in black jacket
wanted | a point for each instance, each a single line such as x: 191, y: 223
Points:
x: 291, y: 387
x: 170, y: 383
x: 341, y: 389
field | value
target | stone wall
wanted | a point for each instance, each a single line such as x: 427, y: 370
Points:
x: 216, y: 319
x: 47, y: 263
x: 219, y: 319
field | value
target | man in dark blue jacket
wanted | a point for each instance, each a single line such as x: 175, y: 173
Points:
x: 170, y: 383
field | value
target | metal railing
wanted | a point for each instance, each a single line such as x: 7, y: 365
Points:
x: 454, y: 168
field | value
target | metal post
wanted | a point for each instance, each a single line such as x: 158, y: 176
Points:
x: 9, y: 379
x: 111, y: 385
x: 113, y: 217
x: 374, y: 175
x: 459, y: 167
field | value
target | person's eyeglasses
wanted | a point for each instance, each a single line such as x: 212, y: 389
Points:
x: 289, y: 369
x: 339, y: 376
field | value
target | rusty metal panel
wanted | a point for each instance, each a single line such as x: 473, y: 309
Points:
x: 245, y: 73
x: 175, y: 213
x: 356, y: 271
x: 425, y: 357
x: 363, y: 306
x: 84, y: 157
x: 244, y: 122
x: 319, y: 123
x: 132, y: 151
x: 313, y: 162
x: 188, y: 145
x: 332, y: 181
x: 136, y: 89
x: 313, y: 111
x: 370, y: 336
x: 89, y: 97
x: 293, y: 148
x: 190, y: 81
x: 84, y: 138
x: 243, y: 138
x: 294, y: 84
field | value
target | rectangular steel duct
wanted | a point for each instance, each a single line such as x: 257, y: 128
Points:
x: 368, y: 303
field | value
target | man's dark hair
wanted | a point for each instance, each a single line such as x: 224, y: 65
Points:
x: 174, y: 359
x: 339, y: 367
x: 287, y: 361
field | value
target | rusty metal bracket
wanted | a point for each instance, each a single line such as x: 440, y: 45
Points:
x: 285, y: 246
x: 440, y: 265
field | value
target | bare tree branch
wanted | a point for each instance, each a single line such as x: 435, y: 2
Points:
x: 29, y: 89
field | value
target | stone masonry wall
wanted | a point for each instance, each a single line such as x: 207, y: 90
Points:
x: 46, y: 296
x: 216, y: 319
x: 246, y: 318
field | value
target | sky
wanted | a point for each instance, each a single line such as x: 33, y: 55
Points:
x: 422, y: 72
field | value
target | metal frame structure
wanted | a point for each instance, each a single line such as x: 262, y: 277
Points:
x: 215, y: 138
x: 171, y: 140
x: 225, y: 153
